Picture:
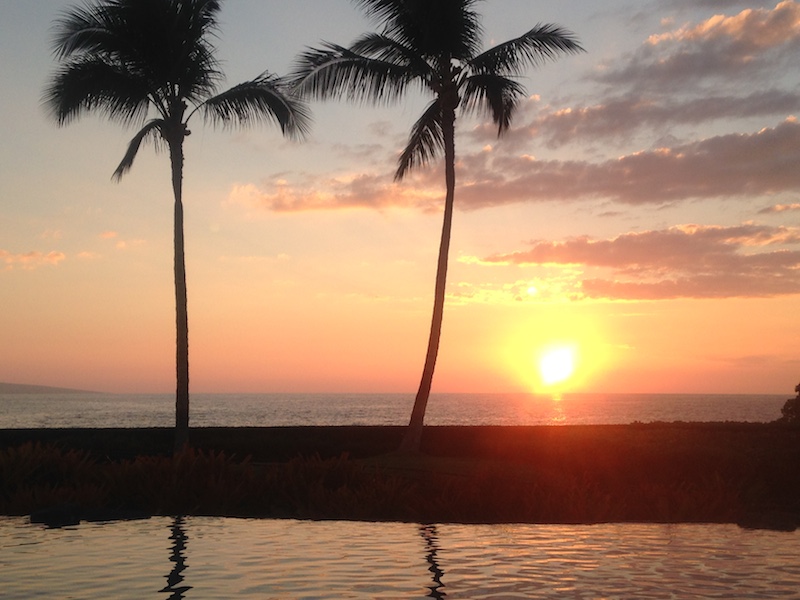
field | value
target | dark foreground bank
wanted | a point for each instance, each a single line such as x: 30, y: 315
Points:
x: 678, y: 472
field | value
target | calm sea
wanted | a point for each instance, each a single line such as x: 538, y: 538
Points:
x: 262, y: 410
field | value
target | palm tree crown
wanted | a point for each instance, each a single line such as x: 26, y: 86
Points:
x: 433, y: 45
x: 124, y: 58
x: 130, y: 59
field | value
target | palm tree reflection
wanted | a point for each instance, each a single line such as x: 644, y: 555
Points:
x: 431, y: 537
x: 175, y: 577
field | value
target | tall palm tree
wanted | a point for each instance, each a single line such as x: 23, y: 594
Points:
x: 128, y: 59
x: 433, y: 45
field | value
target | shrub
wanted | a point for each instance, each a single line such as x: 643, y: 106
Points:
x: 790, y: 413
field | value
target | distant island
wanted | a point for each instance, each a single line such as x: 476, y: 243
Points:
x: 21, y: 388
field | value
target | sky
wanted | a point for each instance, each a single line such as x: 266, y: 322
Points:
x: 642, y: 217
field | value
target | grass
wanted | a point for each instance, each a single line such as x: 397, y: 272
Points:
x: 678, y: 472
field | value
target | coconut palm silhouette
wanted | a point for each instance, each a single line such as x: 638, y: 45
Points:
x: 434, y: 46
x: 152, y: 63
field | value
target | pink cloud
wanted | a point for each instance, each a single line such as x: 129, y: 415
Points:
x: 368, y: 190
x: 30, y: 260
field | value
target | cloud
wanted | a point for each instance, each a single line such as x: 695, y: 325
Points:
x: 367, y: 190
x: 732, y: 165
x: 30, y: 260
x: 753, y: 43
x: 619, y: 116
x: 690, y: 75
x: 779, y: 208
x: 257, y: 259
x: 689, y: 261
x: 685, y: 76
x: 51, y: 234
x: 121, y: 244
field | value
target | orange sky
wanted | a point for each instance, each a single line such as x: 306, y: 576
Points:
x: 643, y: 211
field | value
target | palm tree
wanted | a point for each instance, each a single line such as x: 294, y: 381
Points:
x: 434, y: 45
x: 127, y: 59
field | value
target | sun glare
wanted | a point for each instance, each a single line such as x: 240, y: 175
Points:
x: 551, y: 353
x: 557, y: 365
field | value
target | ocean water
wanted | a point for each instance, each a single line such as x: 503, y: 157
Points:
x: 195, y: 558
x: 263, y: 410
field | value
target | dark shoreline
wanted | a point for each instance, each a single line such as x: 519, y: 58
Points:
x: 747, y: 473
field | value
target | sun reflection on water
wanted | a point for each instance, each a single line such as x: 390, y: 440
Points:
x: 558, y: 415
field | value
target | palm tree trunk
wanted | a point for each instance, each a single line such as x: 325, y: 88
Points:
x: 181, y: 311
x: 413, y: 435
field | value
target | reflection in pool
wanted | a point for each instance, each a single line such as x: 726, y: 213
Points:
x: 177, y: 556
x: 196, y: 558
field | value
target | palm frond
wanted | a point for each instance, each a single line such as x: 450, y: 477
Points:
x: 434, y: 28
x: 493, y: 94
x: 424, y: 143
x: 384, y: 48
x: 89, y: 83
x: 81, y: 30
x: 164, y: 41
x: 335, y: 71
x: 265, y: 98
x: 151, y: 129
x: 542, y: 43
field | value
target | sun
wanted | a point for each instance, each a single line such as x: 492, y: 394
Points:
x: 550, y: 353
x: 557, y: 365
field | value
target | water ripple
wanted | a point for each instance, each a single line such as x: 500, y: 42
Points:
x: 197, y: 558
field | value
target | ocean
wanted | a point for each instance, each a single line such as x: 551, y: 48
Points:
x: 294, y: 409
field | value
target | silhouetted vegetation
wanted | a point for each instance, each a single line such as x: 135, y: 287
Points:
x: 680, y: 472
x: 790, y: 412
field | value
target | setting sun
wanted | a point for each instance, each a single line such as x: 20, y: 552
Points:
x: 546, y: 352
x: 557, y: 365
